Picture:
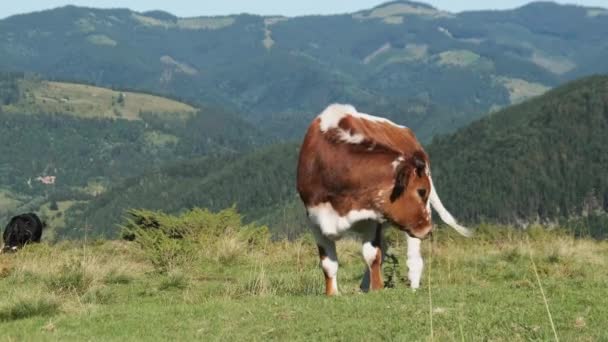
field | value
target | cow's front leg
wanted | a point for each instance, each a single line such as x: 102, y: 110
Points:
x: 372, y: 254
x: 414, y: 261
x: 329, y: 263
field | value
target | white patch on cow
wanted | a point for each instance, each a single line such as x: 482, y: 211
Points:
x: 396, y: 162
x: 331, y: 116
x: 415, y: 264
x: 332, y: 225
x: 350, y: 138
x: 444, y: 213
x: 329, y: 262
x: 369, y: 253
x: 330, y: 267
x: 429, y: 213
x: 380, y: 197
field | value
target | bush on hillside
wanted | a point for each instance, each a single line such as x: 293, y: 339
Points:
x: 171, y: 242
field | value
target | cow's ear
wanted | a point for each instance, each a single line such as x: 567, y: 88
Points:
x: 419, y: 164
x: 402, y: 173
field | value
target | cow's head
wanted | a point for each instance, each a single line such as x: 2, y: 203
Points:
x: 8, y: 249
x: 409, y: 205
x: 11, y: 240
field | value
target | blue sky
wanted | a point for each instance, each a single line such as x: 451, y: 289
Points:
x: 189, y: 8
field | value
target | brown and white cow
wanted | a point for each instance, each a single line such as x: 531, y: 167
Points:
x: 357, y: 172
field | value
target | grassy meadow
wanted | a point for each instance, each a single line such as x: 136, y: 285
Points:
x: 222, y: 281
x: 88, y: 101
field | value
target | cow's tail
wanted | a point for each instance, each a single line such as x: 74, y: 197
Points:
x: 445, y: 214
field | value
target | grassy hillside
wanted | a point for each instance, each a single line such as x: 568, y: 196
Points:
x: 94, y: 139
x: 405, y: 58
x: 90, y: 102
x: 235, y: 287
x: 540, y: 160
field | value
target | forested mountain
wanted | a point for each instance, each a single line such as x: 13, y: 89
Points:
x: 540, y: 160
x: 244, y: 80
x: 402, y: 58
x: 89, y: 138
x: 543, y: 160
x: 258, y: 184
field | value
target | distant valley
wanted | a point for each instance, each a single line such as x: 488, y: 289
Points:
x: 89, y: 138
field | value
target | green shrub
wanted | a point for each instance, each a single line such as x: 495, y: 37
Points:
x: 164, y: 252
x: 194, y: 224
x: 171, y: 242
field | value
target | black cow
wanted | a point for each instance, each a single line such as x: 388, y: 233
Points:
x: 21, y: 230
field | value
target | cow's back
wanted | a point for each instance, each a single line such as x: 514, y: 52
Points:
x: 22, y: 229
x: 36, y: 225
x: 348, y: 171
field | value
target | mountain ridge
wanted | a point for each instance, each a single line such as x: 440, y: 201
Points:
x: 283, y: 70
x: 539, y: 161
x: 165, y: 14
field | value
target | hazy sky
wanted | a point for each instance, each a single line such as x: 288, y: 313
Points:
x: 190, y: 8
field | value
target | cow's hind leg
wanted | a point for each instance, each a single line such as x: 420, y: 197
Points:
x: 414, y: 261
x: 329, y: 262
x: 372, y: 254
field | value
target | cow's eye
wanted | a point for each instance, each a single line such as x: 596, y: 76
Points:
x: 422, y: 193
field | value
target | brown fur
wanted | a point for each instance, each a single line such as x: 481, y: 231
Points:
x: 376, y: 268
x: 376, y: 271
x: 350, y: 176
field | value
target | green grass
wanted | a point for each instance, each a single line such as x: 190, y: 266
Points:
x: 114, y: 277
x: 458, y: 58
x: 194, y: 23
x: 174, y: 281
x: 520, y: 90
x: 72, y: 277
x: 100, y: 39
x: 555, y: 64
x: 482, y: 289
x: 392, y: 10
x: 26, y: 308
x: 205, y: 23
x: 411, y: 53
